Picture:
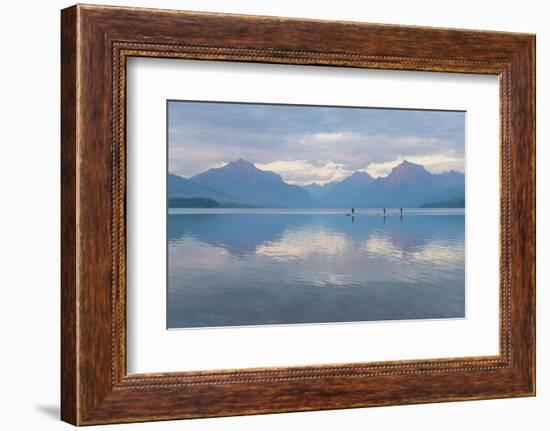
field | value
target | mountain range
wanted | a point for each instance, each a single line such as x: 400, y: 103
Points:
x: 241, y: 183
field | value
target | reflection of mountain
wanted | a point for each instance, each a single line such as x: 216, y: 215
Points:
x: 249, y: 269
x: 269, y: 234
x: 432, y: 252
x: 415, y: 232
x: 240, y: 234
x: 241, y: 184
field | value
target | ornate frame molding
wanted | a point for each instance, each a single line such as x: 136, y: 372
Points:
x: 96, y: 41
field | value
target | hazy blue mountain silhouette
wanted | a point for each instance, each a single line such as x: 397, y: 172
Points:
x: 179, y: 187
x: 251, y: 185
x: 345, y: 191
x: 410, y: 185
x: 319, y: 190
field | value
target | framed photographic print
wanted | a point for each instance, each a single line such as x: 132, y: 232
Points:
x: 264, y: 215
x: 323, y: 241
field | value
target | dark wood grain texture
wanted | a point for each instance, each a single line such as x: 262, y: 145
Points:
x: 96, y: 41
x: 68, y: 218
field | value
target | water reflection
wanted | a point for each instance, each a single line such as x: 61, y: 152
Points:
x: 246, y: 269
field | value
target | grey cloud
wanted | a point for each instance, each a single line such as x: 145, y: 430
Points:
x: 202, y: 135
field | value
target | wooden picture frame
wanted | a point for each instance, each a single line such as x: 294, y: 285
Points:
x: 95, y: 43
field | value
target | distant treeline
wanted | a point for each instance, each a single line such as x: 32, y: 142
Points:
x: 193, y: 203
x: 176, y: 202
x: 451, y: 203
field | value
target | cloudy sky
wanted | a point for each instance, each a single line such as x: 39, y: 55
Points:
x: 307, y: 144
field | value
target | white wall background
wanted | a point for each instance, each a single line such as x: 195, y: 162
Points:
x: 29, y: 227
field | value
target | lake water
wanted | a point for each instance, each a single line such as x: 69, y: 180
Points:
x: 231, y: 267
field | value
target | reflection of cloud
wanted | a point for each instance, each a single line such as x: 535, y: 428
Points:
x: 196, y: 255
x: 436, y: 252
x: 298, y: 255
x: 440, y: 253
x: 324, y: 278
x: 301, y: 243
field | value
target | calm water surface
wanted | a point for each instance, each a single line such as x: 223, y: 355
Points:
x: 229, y: 267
